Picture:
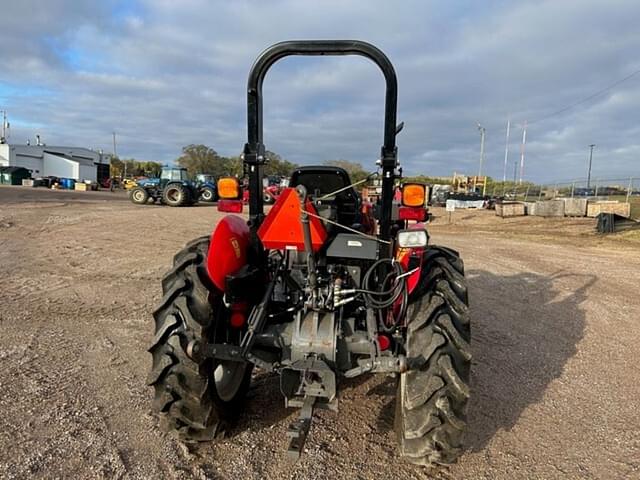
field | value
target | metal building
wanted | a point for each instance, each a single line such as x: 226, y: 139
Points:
x: 64, y: 162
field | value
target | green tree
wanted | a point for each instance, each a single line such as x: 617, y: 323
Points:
x: 152, y: 169
x: 276, y: 165
x: 429, y: 180
x: 234, y: 166
x: 117, y: 167
x: 134, y: 168
x: 202, y: 159
x: 354, y: 169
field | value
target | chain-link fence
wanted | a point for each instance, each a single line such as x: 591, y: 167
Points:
x: 624, y: 189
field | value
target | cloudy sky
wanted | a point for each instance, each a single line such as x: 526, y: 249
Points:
x: 167, y: 73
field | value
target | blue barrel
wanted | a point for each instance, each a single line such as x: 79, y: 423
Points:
x: 68, y: 183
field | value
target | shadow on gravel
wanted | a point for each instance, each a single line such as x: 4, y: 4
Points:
x: 265, y: 403
x: 524, y: 330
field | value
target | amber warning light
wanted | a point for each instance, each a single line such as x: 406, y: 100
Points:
x: 228, y: 188
x: 413, y: 195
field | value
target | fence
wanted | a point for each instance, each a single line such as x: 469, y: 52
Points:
x: 621, y: 188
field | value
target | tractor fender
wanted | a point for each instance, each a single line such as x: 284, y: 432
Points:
x: 410, y: 259
x: 227, y: 249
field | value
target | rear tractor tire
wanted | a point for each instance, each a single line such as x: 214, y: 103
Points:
x: 139, y: 196
x: 175, y: 195
x: 198, y: 399
x: 432, y: 396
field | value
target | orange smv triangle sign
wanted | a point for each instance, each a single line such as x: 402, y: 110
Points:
x: 282, y: 229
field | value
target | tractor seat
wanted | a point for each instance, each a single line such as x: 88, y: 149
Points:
x: 343, y: 207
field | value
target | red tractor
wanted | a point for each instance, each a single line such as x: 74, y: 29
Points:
x: 272, y: 189
x: 314, y: 294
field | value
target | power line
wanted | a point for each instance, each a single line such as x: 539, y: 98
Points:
x: 586, y: 99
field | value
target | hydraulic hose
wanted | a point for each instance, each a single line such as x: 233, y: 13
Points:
x: 375, y: 298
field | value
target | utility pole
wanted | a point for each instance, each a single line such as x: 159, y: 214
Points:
x: 506, y: 152
x: 524, y: 142
x: 482, y: 133
x: 590, y: 160
x: 115, y: 153
x: 5, y: 125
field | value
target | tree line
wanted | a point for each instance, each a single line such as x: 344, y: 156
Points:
x: 134, y: 168
x: 203, y: 159
x: 199, y: 158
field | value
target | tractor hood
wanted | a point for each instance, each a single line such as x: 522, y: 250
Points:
x: 148, y: 182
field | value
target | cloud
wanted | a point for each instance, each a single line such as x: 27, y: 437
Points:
x: 163, y: 74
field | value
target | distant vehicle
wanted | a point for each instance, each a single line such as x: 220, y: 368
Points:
x: 45, y: 181
x: 207, y: 186
x: 584, y: 192
x: 272, y: 187
x: 173, y: 188
x: 129, y: 183
x: 439, y: 194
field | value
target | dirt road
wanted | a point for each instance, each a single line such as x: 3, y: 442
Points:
x: 556, y: 382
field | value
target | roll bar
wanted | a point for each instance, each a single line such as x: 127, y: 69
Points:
x: 254, y: 151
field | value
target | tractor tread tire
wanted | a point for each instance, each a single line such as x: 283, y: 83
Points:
x: 209, y: 192
x: 145, y: 196
x: 432, y: 396
x: 184, y: 388
x: 184, y: 197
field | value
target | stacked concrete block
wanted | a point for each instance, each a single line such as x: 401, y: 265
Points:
x: 620, y: 208
x: 510, y: 209
x: 529, y: 208
x: 550, y: 208
x: 575, y: 207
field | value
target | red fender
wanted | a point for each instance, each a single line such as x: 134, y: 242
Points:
x: 227, y: 249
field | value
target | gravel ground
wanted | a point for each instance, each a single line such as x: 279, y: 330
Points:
x: 555, y: 335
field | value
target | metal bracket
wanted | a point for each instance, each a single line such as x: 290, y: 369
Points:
x: 258, y: 314
x: 221, y: 351
x: 309, y: 377
x: 381, y: 364
x: 299, y: 429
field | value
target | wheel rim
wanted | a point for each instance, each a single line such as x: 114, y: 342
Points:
x: 228, y: 378
x: 206, y: 195
x: 138, y: 196
x: 173, y: 195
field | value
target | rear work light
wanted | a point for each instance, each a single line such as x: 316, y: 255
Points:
x: 412, y: 238
x: 230, y: 206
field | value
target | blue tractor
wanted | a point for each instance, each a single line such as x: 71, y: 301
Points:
x: 173, y: 188
x: 207, y: 187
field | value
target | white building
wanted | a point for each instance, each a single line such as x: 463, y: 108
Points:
x: 64, y: 162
